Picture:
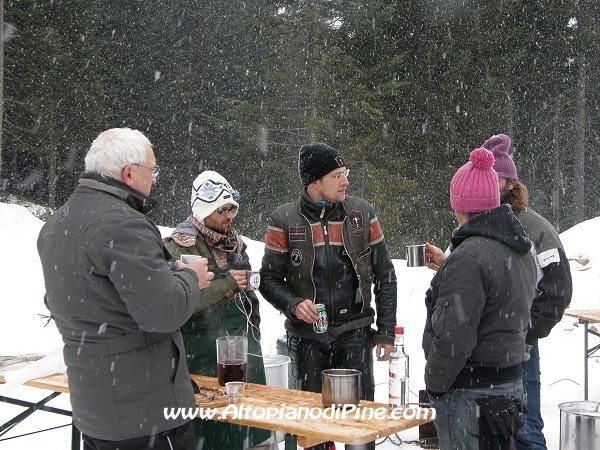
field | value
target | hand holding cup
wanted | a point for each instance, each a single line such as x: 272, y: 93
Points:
x: 240, y: 278
x: 198, y: 264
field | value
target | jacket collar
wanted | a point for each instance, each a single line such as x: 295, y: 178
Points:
x: 133, y: 198
x: 499, y: 224
x: 315, y: 209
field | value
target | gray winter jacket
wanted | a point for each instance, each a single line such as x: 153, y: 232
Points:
x: 478, y: 305
x: 556, y: 286
x: 118, y: 307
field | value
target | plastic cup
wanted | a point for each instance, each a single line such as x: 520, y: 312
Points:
x: 235, y: 391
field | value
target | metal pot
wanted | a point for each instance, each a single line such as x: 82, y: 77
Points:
x: 340, y: 387
x: 579, y: 425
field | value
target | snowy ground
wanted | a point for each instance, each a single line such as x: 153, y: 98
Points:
x: 22, y: 331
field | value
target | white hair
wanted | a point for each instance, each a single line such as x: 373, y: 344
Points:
x: 114, y: 149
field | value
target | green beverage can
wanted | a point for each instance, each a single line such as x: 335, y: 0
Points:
x: 321, y: 325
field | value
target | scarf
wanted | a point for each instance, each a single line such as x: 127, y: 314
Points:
x: 222, y: 244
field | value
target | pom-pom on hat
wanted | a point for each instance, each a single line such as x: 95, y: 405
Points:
x: 317, y: 160
x: 474, y: 187
x: 504, y: 165
x: 210, y: 191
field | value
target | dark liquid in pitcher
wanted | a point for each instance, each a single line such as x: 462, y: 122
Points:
x: 231, y: 370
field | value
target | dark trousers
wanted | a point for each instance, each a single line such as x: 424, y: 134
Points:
x: 180, y: 438
x: 350, y: 350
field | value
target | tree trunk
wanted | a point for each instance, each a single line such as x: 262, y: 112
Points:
x: 52, y: 179
x: 579, y: 150
x: 1, y: 82
x: 556, y: 185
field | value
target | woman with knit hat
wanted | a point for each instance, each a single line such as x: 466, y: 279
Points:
x: 477, y: 316
x: 227, y: 307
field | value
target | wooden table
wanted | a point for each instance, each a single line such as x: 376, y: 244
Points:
x: 307, y: 429
x: 357, y: 427
x: 586, y: 316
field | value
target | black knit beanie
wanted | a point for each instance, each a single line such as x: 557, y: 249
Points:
x: 317, y: 160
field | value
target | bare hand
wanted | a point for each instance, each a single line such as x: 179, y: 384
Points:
x: 200, y: 266
x: 383, y: 351
x: 240, y: 278
x: 306, y: 311
x: 435, y: 256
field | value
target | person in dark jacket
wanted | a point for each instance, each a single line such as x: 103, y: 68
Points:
x: 478, y: 312
x: 328, y: 248
x: 117, y: 303
x: 554, y: 289
x: 228, y: 307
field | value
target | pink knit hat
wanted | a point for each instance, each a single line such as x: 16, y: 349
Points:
x: 504, y: 165
x: 474, y: 187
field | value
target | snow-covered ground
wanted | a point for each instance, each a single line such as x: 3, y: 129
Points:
x: 23, y: 331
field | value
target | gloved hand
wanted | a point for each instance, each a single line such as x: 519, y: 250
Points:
x: 499, y: 420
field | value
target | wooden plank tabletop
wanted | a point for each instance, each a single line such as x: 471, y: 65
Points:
x: 290, y: 412
x: 584, y: 315
x: 56, y: 382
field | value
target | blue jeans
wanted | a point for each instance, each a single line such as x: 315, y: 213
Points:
x: 530, y: 437
x: 457, y: 421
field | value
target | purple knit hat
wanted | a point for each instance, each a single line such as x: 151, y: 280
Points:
x: 474, y: 187
x: 504, y: 165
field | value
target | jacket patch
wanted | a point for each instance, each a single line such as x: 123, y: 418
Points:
x: 548, y: 257
x: 296, y: 257
x: 297, y: 234
x: 356, y: 222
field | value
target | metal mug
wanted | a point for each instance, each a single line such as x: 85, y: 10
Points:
x: 415, y: 255
x: 253, y: 280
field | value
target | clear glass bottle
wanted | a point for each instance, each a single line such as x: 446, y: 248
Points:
x: 398, y: 382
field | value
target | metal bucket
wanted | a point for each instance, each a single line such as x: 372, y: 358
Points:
x: 340, y: 387
x: 579, y: 426
x: 276, y: 370
x: 276, y: 374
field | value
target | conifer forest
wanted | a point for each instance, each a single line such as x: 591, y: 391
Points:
x: 404, y: 89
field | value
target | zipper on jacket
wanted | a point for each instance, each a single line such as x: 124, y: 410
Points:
x: 312, y: 266
x: 329, y: 271
x: 323, y: 222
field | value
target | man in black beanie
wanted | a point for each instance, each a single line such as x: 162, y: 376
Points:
x: 328, y: 248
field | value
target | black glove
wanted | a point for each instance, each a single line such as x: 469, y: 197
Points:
x: 499, y: 420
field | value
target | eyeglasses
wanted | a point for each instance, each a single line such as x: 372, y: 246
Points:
x: 338, y: 176
x: 223, y: 211
x: 153, y: 171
